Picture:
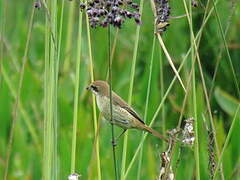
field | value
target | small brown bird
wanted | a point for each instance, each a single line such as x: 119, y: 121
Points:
x: 122, y: 114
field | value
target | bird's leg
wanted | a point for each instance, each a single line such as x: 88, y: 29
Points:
x: 121, y: 134
x: 114, y: 143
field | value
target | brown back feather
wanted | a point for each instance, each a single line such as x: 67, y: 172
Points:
x: 120, y: 102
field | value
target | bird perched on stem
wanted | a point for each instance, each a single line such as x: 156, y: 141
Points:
x: 122, y: 114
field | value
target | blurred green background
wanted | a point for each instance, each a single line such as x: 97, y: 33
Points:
x: 26, y: 160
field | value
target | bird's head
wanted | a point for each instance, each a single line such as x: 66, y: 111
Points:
x: 99, y: 88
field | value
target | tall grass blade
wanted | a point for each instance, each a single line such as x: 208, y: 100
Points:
x: 22, y: 110
x: 76, y: 94
x: 50, y: 168
x: 226, y: 48
x: 134, y: 59
x: 69, y: 37
x: 146, y: 105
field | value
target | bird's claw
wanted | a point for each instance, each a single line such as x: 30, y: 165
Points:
x: 114, y: 143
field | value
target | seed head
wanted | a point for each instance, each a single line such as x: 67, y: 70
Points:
x: 109, y: 12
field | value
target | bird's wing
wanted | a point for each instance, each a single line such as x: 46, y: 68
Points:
x: 120, y: 102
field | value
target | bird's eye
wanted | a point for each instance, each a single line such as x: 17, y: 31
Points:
x: 94, y: 88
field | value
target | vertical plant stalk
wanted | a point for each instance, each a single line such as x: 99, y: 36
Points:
x: 60, y: 33
x: 113, y: 51
x: 196, y: 144
x: 146, y: 106
x: 69, y: 37
x: 59, y: 41
x: 58, y: 51
x: 93, y: 100
x: 3, y: 16
x: 76, y: 94
x: 46, y: 72
x: 54, y: 54
x: 50, y: 170
x: 162, y: 93
x: 16, y: 106
x: 114, y: 45
x: 59, y: 45
x: 124, y: 154
x: 111, y: 112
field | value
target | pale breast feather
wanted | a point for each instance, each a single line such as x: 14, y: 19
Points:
x: 102, y: 103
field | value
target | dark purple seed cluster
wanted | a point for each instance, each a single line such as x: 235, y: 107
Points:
x: 111, y: 12
x: 211, y: 153
x: 162, y: 12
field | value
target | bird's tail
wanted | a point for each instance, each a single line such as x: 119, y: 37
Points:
x: 155, y: 133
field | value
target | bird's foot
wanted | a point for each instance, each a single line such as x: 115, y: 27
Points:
x: 114, y: 143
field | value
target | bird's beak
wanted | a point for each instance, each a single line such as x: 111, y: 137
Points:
x: 88, y: 88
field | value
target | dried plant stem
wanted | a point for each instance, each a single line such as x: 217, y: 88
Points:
x: 165, y: 50
x: 170, y: 61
